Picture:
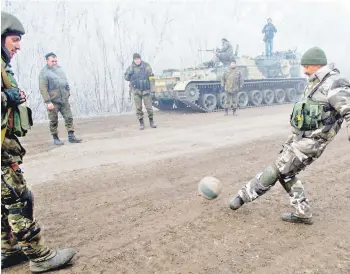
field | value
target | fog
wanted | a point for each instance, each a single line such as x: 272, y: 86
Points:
x: 95, y: 40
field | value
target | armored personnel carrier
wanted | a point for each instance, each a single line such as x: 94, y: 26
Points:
x: 268, y: 81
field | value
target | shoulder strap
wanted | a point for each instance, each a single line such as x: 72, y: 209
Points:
x: 7, y: 84
x: 320, y: 83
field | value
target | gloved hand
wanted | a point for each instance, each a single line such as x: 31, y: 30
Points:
x: 14, y: 96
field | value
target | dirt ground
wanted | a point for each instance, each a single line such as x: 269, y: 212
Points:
x: 127, y: 199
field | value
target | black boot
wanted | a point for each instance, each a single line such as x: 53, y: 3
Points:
x: 292, y: 218
x: 152, y: 124
x: 236, y: 203
x: 72, y: 138
x: 57, y: 140
x: 61, y: 258
x: 13, y: 258
x: 142, y: 124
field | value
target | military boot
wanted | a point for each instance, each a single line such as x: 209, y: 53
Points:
x: 292, y: 218
x: 61, y: 258
x: 57, y: 140
x: 236, y: 203
x: 151, y: 123
x: 226, y: 111
x: 142, y: 124
x: 13, y: 258
x: 72, y: 138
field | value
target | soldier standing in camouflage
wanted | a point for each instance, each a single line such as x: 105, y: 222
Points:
x: 315, y: 121
x: 140, y: 76
x: 20, y: 233
x: 54, y: 88
x: 231, y: 82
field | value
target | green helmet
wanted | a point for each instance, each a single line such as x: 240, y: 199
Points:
x: 314, y: 56
x: 11, y: 24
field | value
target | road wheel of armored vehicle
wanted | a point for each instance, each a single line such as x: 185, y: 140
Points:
x: 280, y: 95
x: 255, y: 97
x: 268, y: 96
x: 291, y: 95
x: 242, y: 99
x: 208, y: 101
x: 192, y: 93
x: 221, y: 98
x: 300, y: 87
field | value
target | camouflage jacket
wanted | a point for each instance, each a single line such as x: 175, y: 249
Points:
x: 139, y: 73
x: 335, y: 91
x: 226, y: 48
x: 11, y: 149
x: 232, y: 80
x: 53, y: 85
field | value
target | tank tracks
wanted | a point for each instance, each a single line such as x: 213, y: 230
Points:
x: 248, y: 85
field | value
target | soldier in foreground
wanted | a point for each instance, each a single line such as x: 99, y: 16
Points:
x: 315, y: 121
x: 54, y: 88
x: 20, y: 233
x: 140, y: 76
x: 231, y: 82
x: 225, y: 53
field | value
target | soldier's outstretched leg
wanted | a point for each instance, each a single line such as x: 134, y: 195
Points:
x: 296, y: 154
x: 19, y: 202
x: 234, y: 102
x: 256, y: 187
x: 147, y: 99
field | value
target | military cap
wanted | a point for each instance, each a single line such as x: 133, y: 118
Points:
x: 50, y: 54
x: 136, y: 56
x: 11, y: 24
x: 314, y: 56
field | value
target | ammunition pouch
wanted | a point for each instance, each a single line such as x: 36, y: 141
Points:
x: 141, y: 84
x: 22, y: 120
x: 306, y: 115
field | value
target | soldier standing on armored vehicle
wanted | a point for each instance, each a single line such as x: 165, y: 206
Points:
x: 269, y: 31
x: 140, y: 76
x: 316, y: 119
x: 225, y: 53
x: 55, y: 90
x: 20, y: 233
x: 231, y: 82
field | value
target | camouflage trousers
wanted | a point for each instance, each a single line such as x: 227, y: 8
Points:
x: 146, y: 97
x: 296, y: 155
x: 231, y: 100
x: 66, y: 113
x: 18, y: 225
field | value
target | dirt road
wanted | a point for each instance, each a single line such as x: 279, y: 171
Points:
x: 127, y: 199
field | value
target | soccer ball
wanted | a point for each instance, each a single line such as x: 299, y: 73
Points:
x: 209, y: 187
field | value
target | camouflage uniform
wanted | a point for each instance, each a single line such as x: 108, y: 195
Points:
x: 328, y: 90
x: 225, y: 53
x: 231, y: 81
x: 20, y: 233
x: 141, y: 82
x: 18, y: 224
x: 54, y: 88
